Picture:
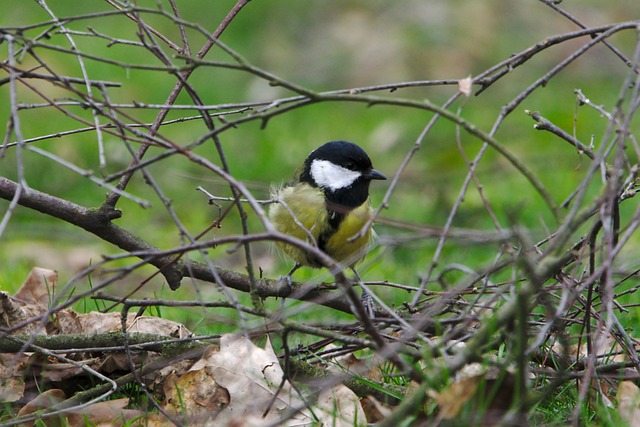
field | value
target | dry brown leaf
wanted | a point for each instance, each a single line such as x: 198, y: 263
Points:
x: 158, y: 326
x: 194, y: 394
x: 454, y: 397
x: 12, y: 384
x: 629, y: 402
x: 11, y: 389
x: 71, y: 322
x: 11, y: 312
x: 157, y: 420
x: 374, y: 410
x: 120, y: 361
x: 38, y: 288
x: 44, y: 400
x: 30, y: 301
x: 605, y: 387
x: 498, y: 386
x: 110, y: 413
x: 61, y: 371
x: 177, y: 369
x: 340, y: 407
x: 67, y: 322
x: 252, y: 376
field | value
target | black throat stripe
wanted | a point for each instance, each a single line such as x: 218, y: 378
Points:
x: 335, y: 217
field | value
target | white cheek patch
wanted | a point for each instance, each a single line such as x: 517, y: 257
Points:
x: 331, y: 176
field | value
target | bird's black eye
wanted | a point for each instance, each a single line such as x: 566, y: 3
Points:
x: 350, y: 165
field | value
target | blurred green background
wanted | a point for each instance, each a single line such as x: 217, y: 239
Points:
x: 321, y: 45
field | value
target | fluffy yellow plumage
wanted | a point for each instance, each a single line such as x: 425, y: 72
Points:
x: 308, y: 206
x: 327, y: 205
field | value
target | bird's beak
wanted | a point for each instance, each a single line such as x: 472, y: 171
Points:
x: 374, y: 174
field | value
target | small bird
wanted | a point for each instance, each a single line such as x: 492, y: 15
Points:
x: 327, y: 204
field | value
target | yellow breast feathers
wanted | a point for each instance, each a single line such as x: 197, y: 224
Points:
x: 305, y: 217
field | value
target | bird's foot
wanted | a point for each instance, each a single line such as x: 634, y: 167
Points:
x: 368, y: 304
x: 284, y: 286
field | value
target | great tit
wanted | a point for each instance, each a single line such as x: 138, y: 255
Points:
x: 327, y: 204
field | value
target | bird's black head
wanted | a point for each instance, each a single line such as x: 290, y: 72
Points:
x: 343, y: 171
